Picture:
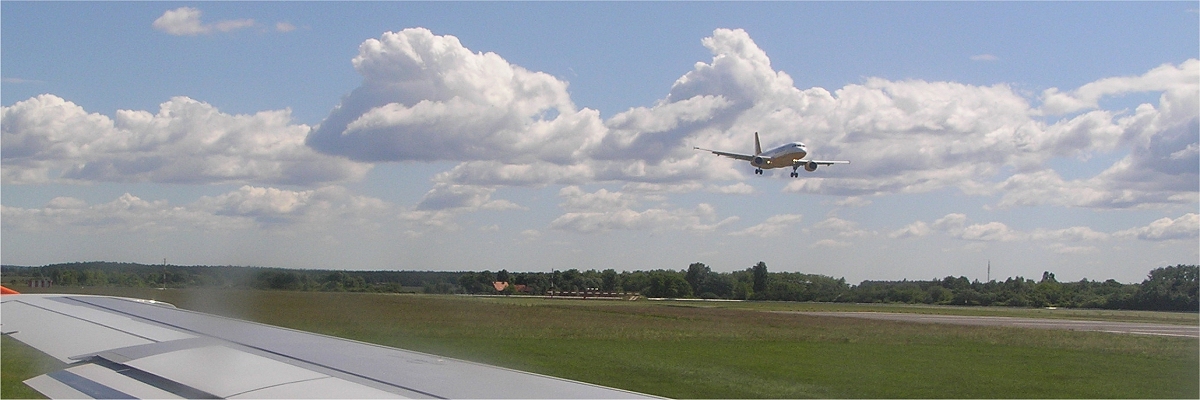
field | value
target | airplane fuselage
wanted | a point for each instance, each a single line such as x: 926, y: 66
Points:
x: 780, y: 157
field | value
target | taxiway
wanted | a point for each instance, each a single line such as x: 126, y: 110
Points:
x: 1136, y: 328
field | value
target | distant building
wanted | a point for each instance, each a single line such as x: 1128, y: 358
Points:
x: 40, y: 282
x: 500, y: 286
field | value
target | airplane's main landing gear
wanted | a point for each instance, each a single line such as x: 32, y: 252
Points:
x: 794, y: 173
x: 758, y: 171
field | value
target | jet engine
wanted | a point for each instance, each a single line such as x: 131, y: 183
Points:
x: 760, y: 161
x: 810, y: 166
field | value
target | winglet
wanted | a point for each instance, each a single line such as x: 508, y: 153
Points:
x: 757, y: 147
x: 4, y: 290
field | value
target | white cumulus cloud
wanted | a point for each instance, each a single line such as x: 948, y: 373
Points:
x: 775, y: 225
x: 990, y: 232
x: 49, y: 139
x: 843, y: 228
x: 248, y: 207
x: 1163, y: 78
x: 427, y: 97
x: 1072, y: 234
x: 576, y: 199
x: 915, y: 229
x: 1184, y: 227
x: 185, y: 21
x: 1064, y: 241
x: 127, y: 213
x: 829, y: 243
x: 268, y: 206
x: 603, y: 211
x: 448, y: 196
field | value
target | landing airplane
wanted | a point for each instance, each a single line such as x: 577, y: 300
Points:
x: 788, y: 155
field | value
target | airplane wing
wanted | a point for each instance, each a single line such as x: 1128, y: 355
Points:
x: 745, y: 157
x: 128, y: 348
x: 818, y: 162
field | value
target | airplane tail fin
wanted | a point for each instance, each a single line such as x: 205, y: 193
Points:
x: 4, y: 290
x: 757, y: 146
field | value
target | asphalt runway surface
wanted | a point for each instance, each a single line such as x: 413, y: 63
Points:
x: 1135, y: 328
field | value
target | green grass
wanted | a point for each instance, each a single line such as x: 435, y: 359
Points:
x: 19, y: 362
x: 732, y: 350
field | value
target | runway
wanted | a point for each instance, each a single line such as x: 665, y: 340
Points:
x: 1135, y: 328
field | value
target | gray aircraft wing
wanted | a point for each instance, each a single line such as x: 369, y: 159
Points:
x: 745, y: 157
x: 128, y: 348
x: 818, y: 162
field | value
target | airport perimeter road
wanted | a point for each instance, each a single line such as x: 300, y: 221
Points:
x: 1038, y: 323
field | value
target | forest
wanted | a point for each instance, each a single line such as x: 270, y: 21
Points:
x: 1169, y: 288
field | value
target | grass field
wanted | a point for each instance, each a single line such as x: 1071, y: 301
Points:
x: 733, y: 350
x: 19, y: 362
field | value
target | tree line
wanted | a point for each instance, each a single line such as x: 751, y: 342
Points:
x: 1172, y: 288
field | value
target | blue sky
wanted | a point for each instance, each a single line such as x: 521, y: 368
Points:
x: 537, y: 136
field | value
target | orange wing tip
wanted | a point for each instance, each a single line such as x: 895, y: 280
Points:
x: 4, y: 290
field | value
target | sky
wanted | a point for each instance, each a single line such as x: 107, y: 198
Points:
x: 533, y: 136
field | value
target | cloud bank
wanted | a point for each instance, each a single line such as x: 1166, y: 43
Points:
x: 246, y: 208
x: 49, y: 139
x: 426, y: 97
x: 956, y: 225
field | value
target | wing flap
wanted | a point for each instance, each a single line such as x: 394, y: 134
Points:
x: 323, y: 388
x: 56, y: 389
x: 55, y: 328
x: 98, y: 382
x: 222, y: 371
x: 211, y: 371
